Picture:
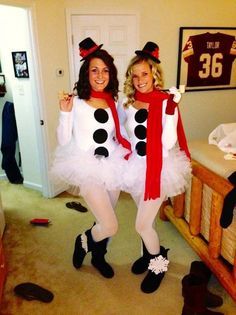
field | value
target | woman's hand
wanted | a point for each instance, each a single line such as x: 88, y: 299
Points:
x: 65, y: 101
x: 176, y: 94
x: 172, y: 101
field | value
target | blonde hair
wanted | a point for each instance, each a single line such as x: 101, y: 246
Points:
x: 157, y: 73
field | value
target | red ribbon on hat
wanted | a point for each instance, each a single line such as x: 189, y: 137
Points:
x: 85, y: 52
x: 154, y: 53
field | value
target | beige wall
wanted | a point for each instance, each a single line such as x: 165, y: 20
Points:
x: 159, y: 21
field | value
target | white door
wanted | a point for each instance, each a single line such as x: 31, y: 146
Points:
x: 118, y: 34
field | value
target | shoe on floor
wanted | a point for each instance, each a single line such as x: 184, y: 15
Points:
x: 31, y: 291
x: 77, y: 206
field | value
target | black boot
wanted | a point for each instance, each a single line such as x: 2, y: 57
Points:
x: 157, y: 268
x: 141, y: 264
x: 199, y: 269
x: 98, y: 259
x: 83, y: 245
x: 194, y: 291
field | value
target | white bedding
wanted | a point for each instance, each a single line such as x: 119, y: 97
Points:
x: 224, y: 137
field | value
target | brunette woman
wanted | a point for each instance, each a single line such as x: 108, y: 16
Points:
x: 91, y: 152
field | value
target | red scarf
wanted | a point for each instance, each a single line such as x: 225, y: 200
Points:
x: 110, y: 101
x: 154, y: 145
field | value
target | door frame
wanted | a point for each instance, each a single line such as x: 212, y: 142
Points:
x: 42, y: 135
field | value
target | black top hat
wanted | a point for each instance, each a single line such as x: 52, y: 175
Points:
x: 150, y: 50
x: 87, y: 47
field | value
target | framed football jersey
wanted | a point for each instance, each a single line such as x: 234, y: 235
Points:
x: 207, y: 58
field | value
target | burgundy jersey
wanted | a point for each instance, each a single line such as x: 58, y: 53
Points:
x: 210, y: 58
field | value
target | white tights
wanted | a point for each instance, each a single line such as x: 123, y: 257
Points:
x: 102, y: 203
x: 144, y: 225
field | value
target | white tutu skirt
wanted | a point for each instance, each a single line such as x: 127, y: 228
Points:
x: 175, y: 174
x: 81, y: 170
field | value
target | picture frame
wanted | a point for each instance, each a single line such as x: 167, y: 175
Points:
x: 3, y: 89
x: 2, y: 79
x: 20, y: 64
x: 207, y: 58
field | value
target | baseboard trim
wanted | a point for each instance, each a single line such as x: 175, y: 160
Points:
x: 33, y: 186
x: 25, y: 183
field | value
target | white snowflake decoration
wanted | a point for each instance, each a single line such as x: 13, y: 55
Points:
x: 158, y: 264
x: 84, y: 242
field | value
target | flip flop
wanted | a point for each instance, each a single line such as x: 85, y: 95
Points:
x: 31, y: 291
x: 77, y: 206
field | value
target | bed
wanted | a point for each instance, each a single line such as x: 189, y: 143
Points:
x: 196, y: 213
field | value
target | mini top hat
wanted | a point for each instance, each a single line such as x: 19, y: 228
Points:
x: 150, y: 50
x: 87, y: 47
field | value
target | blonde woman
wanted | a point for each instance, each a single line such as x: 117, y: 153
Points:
x: 159, y: 166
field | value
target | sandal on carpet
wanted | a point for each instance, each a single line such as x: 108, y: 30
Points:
x: 31, y: 291
x: 77, y: 206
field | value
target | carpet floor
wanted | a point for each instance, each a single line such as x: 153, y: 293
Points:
x: 43, y: 255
